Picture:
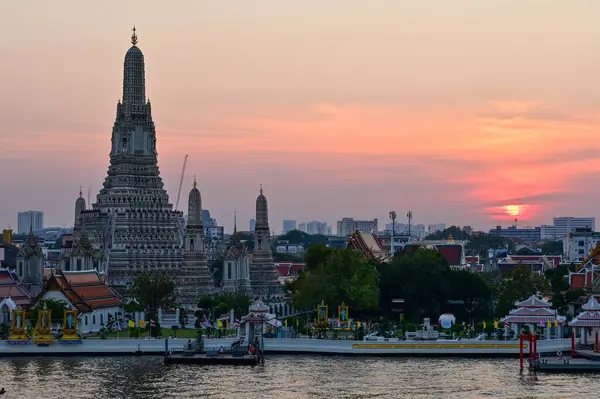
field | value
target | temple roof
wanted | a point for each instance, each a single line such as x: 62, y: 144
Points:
x: 86, y: 290
x: 533, y: 302
x: 591, y: 304
x: 590, y: 317
x: 369, y: 244
x: 12, y: 287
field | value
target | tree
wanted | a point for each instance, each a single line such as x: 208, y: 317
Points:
x: 526, y: 251
x: 153, y: 291
x: 57, y: 307
x: 562, y: 295
x: 183, y: 318
x: 426, y: 282
x: 552, y: 248
x: 516, y: 285
x: 335, y: 276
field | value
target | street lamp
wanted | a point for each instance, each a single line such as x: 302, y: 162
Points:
x: 393, y: 217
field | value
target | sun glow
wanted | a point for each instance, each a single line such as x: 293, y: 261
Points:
x: 513, y: 210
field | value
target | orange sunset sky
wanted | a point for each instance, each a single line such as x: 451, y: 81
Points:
x: 452, y: 109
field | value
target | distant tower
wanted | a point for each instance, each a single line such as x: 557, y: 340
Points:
x: 79, y: 207
x: 196, y: 278
x: 263, y: 276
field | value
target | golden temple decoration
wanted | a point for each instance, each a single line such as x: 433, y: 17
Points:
x: 322, y: 312
x: 70, y: 326
x: 343, y: 313
x: 17, y: 327
x: 42, y: 332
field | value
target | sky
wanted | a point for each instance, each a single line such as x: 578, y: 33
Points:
x: 466, y: 112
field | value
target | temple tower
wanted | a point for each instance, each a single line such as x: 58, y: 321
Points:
x: 263, y: 276
x: 236, y: 265
x: 196, y: 279
x: 79, y: 206
x: 30, y: 264
x: 132, y: 222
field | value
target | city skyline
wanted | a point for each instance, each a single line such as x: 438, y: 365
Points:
x: 465, y: 110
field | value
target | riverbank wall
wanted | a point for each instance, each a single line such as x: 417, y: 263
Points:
x: 132, y: 347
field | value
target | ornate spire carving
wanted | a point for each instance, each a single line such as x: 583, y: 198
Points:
x: 134, y: 38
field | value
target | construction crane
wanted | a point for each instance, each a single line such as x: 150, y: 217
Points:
x: 181, y: 181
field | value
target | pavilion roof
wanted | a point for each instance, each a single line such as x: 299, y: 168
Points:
x: 530, y: 315
x: 586, y: 319
x: 533, y: 302
x: 592, y: 305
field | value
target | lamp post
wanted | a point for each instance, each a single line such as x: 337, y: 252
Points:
x: 393, y: 217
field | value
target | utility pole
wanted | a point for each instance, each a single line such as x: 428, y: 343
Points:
x: 393, y: 217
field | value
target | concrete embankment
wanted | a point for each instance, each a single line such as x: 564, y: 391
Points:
x: 129, y: 347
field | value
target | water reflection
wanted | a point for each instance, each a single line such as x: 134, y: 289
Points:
x: 286, y: 377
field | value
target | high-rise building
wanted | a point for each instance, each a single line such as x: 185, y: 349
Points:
x: 132, y: 221
x: 302, y: 227
x: 252, y: 224
x: 347, y: 226
x: 316, y: 227
x: 288, y: 225
x: 30, y: 221
x: 563, y: 225
x: 434, y: 228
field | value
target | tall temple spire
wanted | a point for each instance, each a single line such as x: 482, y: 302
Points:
x: 81, y: 191
x: 234, y: 222
x: 134, y: 81
x: 195, y: 206
x: 134, y: 38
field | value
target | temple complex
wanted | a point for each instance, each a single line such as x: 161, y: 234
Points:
x: 196, y: 279
x: 264, y: 279
x: 236, y: 265
x: 132, y: 224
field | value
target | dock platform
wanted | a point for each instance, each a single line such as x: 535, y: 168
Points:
x: 566, y: 365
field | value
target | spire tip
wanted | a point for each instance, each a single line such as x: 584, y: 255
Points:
x: 134, y: 38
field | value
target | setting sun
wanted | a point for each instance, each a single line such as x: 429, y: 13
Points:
x: 513, y: 210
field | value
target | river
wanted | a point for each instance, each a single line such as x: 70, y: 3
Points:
x: 286, y: 377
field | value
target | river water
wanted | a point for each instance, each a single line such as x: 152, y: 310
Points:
x: 287, y: 377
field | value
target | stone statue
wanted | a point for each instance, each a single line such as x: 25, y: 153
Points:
x: 19, y: 321
x: 343, y: 315
x: 70, y: 320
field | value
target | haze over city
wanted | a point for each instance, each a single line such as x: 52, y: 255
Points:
x: 465, y: 112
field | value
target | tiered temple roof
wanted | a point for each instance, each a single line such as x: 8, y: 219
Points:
x: 590, y: 316
x: 12, y: 287
x: 86, y: 290
x: 531, y: 310
x: 369, y: 244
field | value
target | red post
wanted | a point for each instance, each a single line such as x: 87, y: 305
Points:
x: 521, y: 350
x: 573, y: 343
x: 596, y: 340
x: 535, y: 347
